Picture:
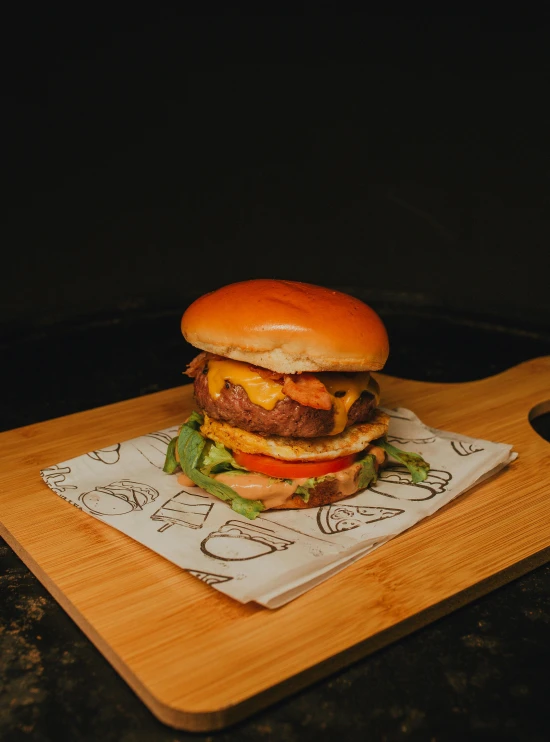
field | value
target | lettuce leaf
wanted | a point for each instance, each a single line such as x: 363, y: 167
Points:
x: 413, y: 461
x: 195, y: 420
x: 303, y: 489
x: 217, y: 458
x: 367, y: 474
x: 170, y: 463
x: 191, y: 445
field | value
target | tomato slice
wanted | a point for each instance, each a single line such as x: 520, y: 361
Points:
x: 291, y: 469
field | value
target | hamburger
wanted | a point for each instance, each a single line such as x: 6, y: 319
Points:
x: 286, y: 407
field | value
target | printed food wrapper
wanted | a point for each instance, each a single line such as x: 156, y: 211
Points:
x: 281, y: 554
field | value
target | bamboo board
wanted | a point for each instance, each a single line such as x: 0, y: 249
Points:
x: 198, y: 659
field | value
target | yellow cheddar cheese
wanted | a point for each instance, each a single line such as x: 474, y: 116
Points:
x: 263, y: 392
x: 344, y: 388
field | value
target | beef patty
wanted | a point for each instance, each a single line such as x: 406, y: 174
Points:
x: 288, y: 418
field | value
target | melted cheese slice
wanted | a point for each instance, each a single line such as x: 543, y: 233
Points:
x: 344, y: 389
x: 263, y: 392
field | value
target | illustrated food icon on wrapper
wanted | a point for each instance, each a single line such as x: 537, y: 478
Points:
x: 184, y: 509
x: 118, y: 498
x: 237, y: 541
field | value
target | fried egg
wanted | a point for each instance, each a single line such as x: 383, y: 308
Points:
x: 353, y: 439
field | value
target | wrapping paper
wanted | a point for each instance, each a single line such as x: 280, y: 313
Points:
x: 281, y: 554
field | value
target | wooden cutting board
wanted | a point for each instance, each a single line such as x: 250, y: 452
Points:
x: 200, y: 660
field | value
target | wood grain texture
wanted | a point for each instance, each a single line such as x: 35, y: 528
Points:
x: 200, y: 660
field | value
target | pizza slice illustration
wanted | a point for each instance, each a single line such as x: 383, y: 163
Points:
x: 209, y: 577
x: 340, y: 518
x: 465, y: 449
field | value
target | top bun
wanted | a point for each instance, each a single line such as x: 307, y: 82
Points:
x: 288, y: 327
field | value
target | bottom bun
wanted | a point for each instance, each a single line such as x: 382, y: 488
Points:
x: 316, y: 499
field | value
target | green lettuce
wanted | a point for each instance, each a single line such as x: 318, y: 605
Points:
x: 191, y: 446
x: 170, y: 463
x: 303, y: 490
x: 367, y: 474
x: 413, y: 461
x: 217, y: 458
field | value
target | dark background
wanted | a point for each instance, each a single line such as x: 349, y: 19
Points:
x: 153, y: 154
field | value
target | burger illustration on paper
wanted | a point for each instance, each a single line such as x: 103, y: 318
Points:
x: 118, y: 498
x: 286, y: 407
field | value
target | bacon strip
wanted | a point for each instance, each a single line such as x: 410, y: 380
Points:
x: 197, y: 364
x: 265, y: 373
x: 308, y: 390
x: 194, y: 368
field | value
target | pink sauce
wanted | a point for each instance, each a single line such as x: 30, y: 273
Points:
x: 275, y: 492
x: 272, y: 492
x: 184, y: 480
x: 346, y: 479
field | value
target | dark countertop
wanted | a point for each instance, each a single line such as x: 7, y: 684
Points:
x: 480, y: 673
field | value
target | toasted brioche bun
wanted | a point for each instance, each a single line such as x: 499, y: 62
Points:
x: 352, y: 440
x: 288, y: 327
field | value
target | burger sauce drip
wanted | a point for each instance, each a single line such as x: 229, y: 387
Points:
x: 184, y: 480
x: 272, y: 492
x: 275, y: 492
x: 344, y: 390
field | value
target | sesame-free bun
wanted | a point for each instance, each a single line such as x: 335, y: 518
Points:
x: 288, y: 327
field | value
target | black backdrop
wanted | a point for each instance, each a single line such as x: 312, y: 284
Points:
x: 153, y: 155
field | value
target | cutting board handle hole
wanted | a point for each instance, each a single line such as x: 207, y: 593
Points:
x: 539, y: 417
